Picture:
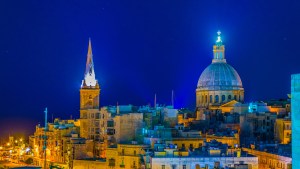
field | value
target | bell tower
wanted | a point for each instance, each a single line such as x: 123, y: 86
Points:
x: 90, y: 89
x: 89, y: 100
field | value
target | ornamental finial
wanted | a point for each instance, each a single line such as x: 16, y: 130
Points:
x: 219, y: 40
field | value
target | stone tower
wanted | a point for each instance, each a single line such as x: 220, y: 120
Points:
x: 89, y: 101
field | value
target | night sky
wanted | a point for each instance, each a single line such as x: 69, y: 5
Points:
x: 140, y: 48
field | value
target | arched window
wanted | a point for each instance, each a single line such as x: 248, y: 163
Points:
x: 234, y: 97
x: 216, y: 98
x: 223, y: 98
x: 229, y: 97
x: 210, y: 98
x: 206, y: 99
x: 202, y: 99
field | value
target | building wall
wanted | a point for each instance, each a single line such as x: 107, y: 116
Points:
x: 270, y: 161
x: 90, y: 124
x: 87, y: 164
x: 231, y: 141
x: 201, y: 162
x: 295, y: 103
x: 127, y: 127
x: 283, y: 131
x: 89, y: 112
x: 186, y: 142
x: 126, y: 156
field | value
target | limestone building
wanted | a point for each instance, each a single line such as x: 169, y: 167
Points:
x: 219, y: 82
x: 89, y: 101
x: 282, y: 130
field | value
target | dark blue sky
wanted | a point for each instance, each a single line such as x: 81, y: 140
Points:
x: 140, y: 48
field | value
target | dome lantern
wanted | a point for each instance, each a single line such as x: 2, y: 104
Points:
x: 219, y: 50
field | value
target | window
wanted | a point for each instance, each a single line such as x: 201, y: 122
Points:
x: 205, y: 98
x: 110, y: 123
x: 184, y: 167
x: 223, y: 98
x: 217, y: 99
x: 123, y: 151
x: 174, y: 166
x: 134, y: 152
x: 111, y: 162
x: 210, y: 98
x: 229, y: 97
x: 234, y: 97
x: 163, y: 166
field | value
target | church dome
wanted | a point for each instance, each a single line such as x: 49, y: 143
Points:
x: 219, y: 82
x: 220, y: 76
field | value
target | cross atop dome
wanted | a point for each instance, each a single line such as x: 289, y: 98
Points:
x: 219, y: 40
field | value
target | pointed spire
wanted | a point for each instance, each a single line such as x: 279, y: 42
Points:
x: 219, y: 50
x: 89, y: 75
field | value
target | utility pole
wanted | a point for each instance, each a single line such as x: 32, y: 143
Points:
x: 45, y: 138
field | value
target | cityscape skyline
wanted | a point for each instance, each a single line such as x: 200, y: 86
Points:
x: 159, y: 65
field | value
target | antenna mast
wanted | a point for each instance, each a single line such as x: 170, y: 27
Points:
x: 172, y: 99
x: 45, y: 138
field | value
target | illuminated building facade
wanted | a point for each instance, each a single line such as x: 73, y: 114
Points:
x: 63, y: 143
x: 219, y: 82
x: 121, y: 124
x: 268, y: 160
x: 283, y: 130
x: 295, y: 104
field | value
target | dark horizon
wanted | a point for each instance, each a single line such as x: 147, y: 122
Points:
x: 139, y: 48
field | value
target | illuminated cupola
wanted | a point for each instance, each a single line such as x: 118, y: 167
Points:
x: 219, y: 82
x: 89, y: 75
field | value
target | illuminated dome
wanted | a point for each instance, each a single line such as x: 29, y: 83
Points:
x: 219, y: 83
x: 220, y: 76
